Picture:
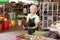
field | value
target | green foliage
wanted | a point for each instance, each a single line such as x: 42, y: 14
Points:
x: 38, y: 0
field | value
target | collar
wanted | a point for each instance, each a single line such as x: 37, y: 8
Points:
x: 33, y: 15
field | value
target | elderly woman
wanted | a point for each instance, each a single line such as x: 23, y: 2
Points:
x: 32, y: 19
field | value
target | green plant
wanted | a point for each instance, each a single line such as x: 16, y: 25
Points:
x: 38, y: 0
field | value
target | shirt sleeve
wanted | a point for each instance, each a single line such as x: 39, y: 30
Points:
x: 28, y: 17
x: 37, y: 19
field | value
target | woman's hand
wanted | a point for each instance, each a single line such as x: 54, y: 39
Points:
x: 36, y: 25
x: 30, y: 28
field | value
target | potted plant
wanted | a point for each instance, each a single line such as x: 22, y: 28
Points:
x: 1, y: 22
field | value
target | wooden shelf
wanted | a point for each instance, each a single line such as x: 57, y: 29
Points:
x: 50, y: 10
x: 54, y: 15
x: 18, y: 8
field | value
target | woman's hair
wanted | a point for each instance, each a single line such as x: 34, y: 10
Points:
x: 33, y: 6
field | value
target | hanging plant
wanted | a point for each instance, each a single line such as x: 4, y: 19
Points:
x: 38, y: 0
x: 20, y: 16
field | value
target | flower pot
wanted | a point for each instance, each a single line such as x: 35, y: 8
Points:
x: 6, y: 24
x: 12, y: 23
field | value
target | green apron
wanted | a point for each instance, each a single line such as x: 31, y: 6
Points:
x: 31, y: 24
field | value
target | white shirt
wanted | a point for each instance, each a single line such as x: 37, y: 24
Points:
x: 35, y: 16
x: 58, y: 27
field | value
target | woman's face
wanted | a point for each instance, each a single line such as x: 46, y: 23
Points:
x: 32, y: 10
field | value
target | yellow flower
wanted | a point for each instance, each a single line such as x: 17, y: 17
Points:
x: 1, y: 18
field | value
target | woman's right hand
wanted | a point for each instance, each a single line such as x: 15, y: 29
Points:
x: 31, y: 28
